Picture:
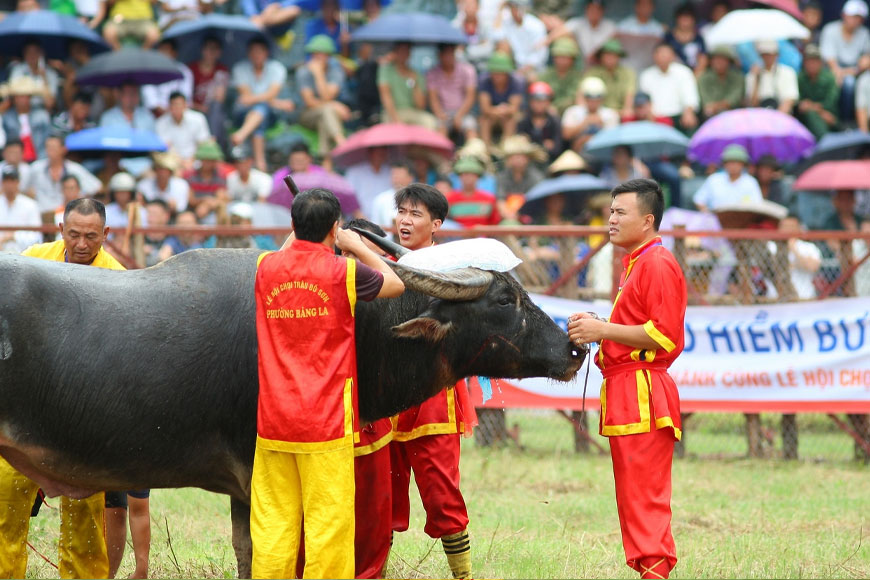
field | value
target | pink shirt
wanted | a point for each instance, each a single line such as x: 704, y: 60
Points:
x: 451, y: 88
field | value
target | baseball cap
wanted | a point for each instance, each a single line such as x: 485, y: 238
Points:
x: 9, y: 172
x: 812, y: 51
x: 241, y: 153
x: 855, y: 8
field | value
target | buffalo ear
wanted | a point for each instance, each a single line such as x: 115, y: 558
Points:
x: 429, y: 329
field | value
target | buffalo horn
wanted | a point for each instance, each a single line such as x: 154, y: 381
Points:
x: 457, y: 285
x: 392, y: 248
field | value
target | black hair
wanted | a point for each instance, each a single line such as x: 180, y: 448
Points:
x: 261, y: 40
x: 213, y: 38
x: 403, y: 164
x: 650, y: 198
x: 685, y: 9
x: 85, y: 206
x: 425, y: 195
x: 168, y: 42
x: 161, y: 202
x: 300, y: 147
x: 176, y: 95
x: 83, y: 97
x: 364, y: 224
x: 314, y: 212
x: 70, y: 177
x: 13, y: 141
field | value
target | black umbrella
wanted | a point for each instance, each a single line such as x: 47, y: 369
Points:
x: 836, y: 147
x: 129, y: 65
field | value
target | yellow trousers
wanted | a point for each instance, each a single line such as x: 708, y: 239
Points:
x: 82, y: 543
x: 286, y: 486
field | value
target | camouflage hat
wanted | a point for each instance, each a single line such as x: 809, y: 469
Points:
x: 564, y: 47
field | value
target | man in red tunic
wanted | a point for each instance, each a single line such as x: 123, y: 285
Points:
x: 307, y: 409
x: 640, y: 406
x: 426, y: 437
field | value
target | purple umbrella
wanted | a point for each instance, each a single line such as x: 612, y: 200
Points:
x: 334, y: 182
x: 760, y: 131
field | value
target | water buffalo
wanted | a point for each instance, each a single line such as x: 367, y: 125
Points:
x: 148, y: 379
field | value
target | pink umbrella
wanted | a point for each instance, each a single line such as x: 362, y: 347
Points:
x: 394, y: 135
x: 852, y: 174
x: 787, y: 6
x: 334, y: 182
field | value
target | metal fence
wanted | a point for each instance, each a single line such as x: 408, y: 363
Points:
x: 731, y: 267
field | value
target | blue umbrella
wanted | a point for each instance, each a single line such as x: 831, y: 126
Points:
x: 52, y: 30
x: 118, y: 138
x: 233, y: 31
x: 575, y: 186
x: 416, y: 27
x: 648, y: 140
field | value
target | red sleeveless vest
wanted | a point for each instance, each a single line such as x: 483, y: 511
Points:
x: 307, y: 358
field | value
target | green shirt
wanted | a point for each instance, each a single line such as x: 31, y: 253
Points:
x: 714, y: 89
x: 564, y: 87
x: 823, y: 90
x: 620, y: 83
x: 401, y: 88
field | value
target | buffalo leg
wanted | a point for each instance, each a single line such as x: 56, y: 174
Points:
x: 241, y: 515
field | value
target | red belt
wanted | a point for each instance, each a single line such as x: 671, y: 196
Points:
x: 633, y: 366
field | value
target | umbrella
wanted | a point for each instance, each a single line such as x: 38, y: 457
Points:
x: 129, y: 65
x: 754, y: 25
x: 118, y: 138
x: 787, y: 6
x: 53, y: 31
x: 648, y: 140
x: 233, y: 31
x: 835, y: 146
x: 761, y: 131
x: 416, y: 27
x: 334, y: 182
x: 394, y: 135
x: 569, y: 184
x: 834, y: 175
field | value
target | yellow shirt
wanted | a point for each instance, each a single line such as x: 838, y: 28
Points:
x: 132, y: 10
x: 56, y: 252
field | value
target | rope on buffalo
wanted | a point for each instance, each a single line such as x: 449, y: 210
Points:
x: 585, y: 384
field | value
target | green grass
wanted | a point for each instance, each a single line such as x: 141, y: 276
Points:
x: 546, y: 512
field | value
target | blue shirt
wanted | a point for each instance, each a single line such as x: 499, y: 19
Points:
x: 142, y: 119
x: 719, y: 191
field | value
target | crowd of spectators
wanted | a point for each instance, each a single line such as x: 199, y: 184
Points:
x: 534, y: 82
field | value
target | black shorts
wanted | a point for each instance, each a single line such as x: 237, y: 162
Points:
x: 118, y: 499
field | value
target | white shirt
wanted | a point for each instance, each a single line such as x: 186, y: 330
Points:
x: 719, y: 191
x: 23, y: 211
x: 801, y: 279
x: 631, y: 25
x: 780, y: 83
x: 384, y: 209
x: 590, y: 39
x: 671, y: 92
x: 576, y: 114
x: 49, y: 194
x: 117, y: 218
x: 183, y: 137
x: 526, y: 39
x: 367, y: 184
x: 257, y: 188
x: 177, y: 191
x: 157, y: 96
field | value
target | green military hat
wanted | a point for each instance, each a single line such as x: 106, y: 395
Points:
x: 500, y: 62
x: 468, y: 165
x: 209, y: 151
x: 612, y: 45
x: 320, y: 43
x: 564, y: 47
x: 735, y: 152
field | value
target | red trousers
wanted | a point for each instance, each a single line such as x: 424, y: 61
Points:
x: 435, y: 462
x: 642, y: 473
x: 373, y: 509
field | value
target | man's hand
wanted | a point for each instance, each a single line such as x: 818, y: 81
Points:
x: 585, y: 327
x: 348, y: 241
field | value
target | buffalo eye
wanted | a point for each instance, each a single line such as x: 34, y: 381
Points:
x: 505, y: 300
